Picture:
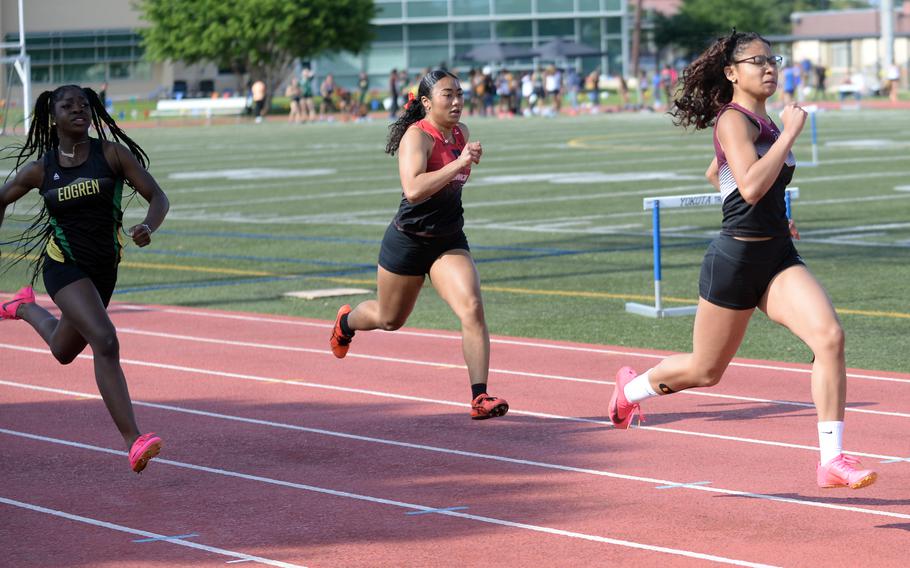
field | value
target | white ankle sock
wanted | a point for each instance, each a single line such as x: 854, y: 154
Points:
x: 830, y: 440
x: 639, y: 389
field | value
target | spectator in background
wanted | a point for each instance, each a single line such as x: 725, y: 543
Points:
x: 393, y: 93
x: 469, y: 99
x: 820, y: 74
x: 294, y: 93
x: 894, y: 78
x: 489, y: 91
x: 363, y: 89
x: 791, y: 83
x: 504, y: 90
x: 553, y: 86
x: 655, y: 88
x: 592, y: 84
x: 623, y: 92
x: 102, y: 95
x: 327, y: 90
x: 573, y: 85
x: 307, y: 106
x: 258, y: 91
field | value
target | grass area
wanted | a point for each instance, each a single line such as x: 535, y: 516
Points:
x: 554, y: 216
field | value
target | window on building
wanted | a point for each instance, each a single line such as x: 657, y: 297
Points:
x: 471, y: 8
x: 427, y: 8
x: 387, y: 33
x: 555, y: 5
x: 556, y: 28
x: 471, y: 30
x: 840, y: 55
x: 428, y: 32
x: 513, y: 29
x: 388, y: 8
x: 85, y: 56
x: 512, y: 6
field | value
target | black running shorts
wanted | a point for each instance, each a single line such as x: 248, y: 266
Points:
x: 411, y: 255
x: 58, y: 275
x: 735, y: 274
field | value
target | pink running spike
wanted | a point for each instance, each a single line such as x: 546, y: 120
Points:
x: 843, y: 471
x: 144, y: 448
x: 621, y: 410
x: 24, y: 296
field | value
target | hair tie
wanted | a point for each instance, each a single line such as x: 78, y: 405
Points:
x: 410, y: 100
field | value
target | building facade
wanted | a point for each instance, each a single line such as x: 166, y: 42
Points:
x: 416, y: 34
x: 94, y: 41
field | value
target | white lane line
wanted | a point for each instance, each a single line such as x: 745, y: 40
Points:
x: 438, y: 364
x: 396, y: 443
x: 515, y: 342
x: 121, y: 528
x: 394, y: 503
x: 513, y: 410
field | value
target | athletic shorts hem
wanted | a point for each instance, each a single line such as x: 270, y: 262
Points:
x: 411, y: 255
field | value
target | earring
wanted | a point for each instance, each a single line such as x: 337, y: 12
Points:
x: 734, y: 80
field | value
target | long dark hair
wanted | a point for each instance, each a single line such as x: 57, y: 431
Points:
x: 41, y: 139
x: 705, y: 87
x: 413, y: 110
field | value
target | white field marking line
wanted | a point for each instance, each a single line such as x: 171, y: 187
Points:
x: 515, y: 342
x: 402, y: 504
x: 289, y: 198
x: 423, y: 447
x: 438, y: 364
x: 856, y: 229
x: 272, y: 380
x: 199, y: 213
x: 128, y: 530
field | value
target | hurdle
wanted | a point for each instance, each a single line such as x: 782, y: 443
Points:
x: 813, y: 127
x: 655, y: 204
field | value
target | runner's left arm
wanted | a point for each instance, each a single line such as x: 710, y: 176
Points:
x: 147, y: 187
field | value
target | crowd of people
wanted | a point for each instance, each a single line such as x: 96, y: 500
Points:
x: 544, y: 91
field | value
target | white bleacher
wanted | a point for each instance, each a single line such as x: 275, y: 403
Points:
x: 206, y: 107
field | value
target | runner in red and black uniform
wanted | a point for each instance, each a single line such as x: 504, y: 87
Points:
x: 81, y: 182
x: 753, y: 262
x: 426, y: 237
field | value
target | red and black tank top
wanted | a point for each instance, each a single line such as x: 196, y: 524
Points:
x: 440, y: 214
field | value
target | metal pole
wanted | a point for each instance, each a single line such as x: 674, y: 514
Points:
x: 887, y: 24
x: 27, y: 74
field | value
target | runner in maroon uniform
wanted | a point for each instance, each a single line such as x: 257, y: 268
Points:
x: 426, y: 236
x: 752, y: 263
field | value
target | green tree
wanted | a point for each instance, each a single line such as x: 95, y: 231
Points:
x: 259, y: 37
x: 700, y: 21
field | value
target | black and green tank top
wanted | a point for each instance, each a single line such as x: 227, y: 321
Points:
x: 84, y: 206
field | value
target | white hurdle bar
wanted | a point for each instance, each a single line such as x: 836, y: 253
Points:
x: 679, y: 202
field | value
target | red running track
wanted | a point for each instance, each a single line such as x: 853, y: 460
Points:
x: 277, y: 453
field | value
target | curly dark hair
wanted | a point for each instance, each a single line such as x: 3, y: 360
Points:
x: 414, y: 111
x: 41, y: 139
x: 705, y: 88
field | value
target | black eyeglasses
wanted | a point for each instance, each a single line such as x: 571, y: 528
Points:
x: 762, y: 60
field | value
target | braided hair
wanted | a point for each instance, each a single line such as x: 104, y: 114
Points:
x: 414, y: 110
x: 705, y: 87
x: 42, y: 138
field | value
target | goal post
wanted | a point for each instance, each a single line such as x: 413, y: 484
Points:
x: 17, y: 64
